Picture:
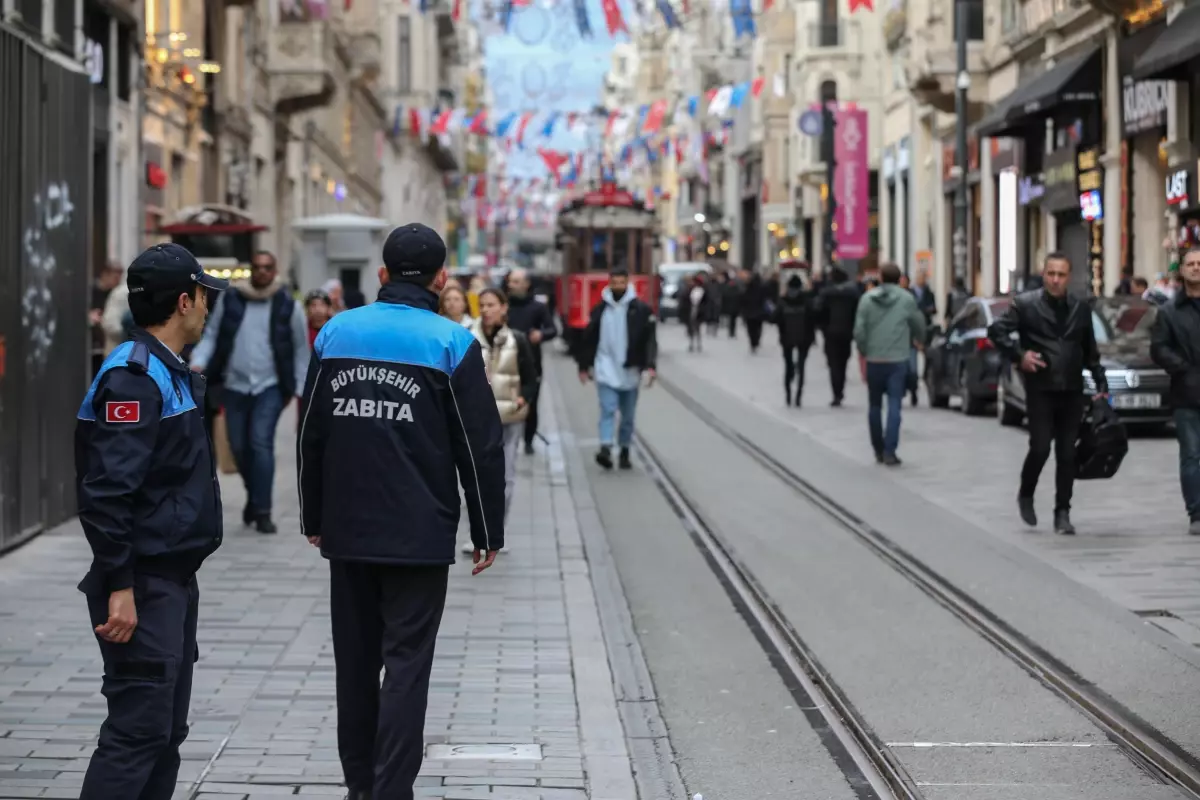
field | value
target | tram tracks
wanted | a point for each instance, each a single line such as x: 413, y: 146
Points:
x: 869, y: 764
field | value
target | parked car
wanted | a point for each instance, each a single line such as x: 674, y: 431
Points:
x: 673, y: 277
x: 961, y: 361
x: 1137, y: 387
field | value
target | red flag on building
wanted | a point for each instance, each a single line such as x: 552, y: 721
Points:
x: 654, y: 117
x: 756, y: 86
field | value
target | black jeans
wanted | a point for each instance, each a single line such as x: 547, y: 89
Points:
x: 837, y: 353
x: 732, y: 325
x: 794, y: 358
x: 148, y: 686
x: 384, y: 616
x: 531, y: 419
x: 754, y: 328
x: 1054, y: 417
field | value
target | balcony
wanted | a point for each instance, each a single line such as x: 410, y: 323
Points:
x: 1030, y: 21
x: 366, y: 55
x: 825, y: 41
x: 301, y: 58
x: 932, y: 62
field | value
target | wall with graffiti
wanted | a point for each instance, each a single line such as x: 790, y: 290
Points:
x: 45, y: 150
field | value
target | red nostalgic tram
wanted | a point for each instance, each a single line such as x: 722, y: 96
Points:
x: 597, y: 232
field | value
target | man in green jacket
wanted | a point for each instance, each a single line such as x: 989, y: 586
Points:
x: 887, y: 326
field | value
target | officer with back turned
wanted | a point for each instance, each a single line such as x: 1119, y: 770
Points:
x: 150, y: 506
x: 396, y: 403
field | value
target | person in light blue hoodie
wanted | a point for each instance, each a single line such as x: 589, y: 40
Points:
x: 619, y: 344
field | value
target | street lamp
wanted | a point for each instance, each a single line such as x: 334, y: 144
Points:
x: 962, y: 84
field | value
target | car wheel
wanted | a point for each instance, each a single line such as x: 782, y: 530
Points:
x: 935, y: 400
x: 971, y: 406
x: 1009, y: 416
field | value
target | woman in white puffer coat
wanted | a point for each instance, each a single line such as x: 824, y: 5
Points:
x: 512, y: 371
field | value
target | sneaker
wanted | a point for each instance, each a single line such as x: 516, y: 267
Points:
x: 265, y: 525
x: 624, y: 462
x: 468, y: 549
x: 891, y: 460
x: 1062, y: 523
x: 604, y: 457
x: 1028, y: 515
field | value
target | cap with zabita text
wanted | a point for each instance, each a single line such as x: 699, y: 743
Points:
x: 169, y: 267
x: 413, y: 249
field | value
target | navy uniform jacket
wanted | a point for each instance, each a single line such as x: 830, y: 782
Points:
x: 396, y: 402
x: 149, y: 500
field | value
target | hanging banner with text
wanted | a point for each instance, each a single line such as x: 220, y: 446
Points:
x: 851, y: 184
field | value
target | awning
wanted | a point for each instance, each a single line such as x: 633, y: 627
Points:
x: 1169, y: 58
x: 1072, y: 80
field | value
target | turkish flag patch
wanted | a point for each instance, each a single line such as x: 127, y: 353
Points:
x: 128, y: 411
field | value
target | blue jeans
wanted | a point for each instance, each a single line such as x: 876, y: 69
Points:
x: 1187, y: 429
x: 251, y: 420
x: 885, y: 378
x: 611, y: 401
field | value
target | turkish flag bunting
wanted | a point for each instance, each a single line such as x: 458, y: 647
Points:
x: 756, y: 86
x: 479, y: 124
x: 456, y: 12
x: 554, y: 160
x: 441, y: 123
x: 654, y: 117
x: 414, y: 122
x: 614, y: 20
x: 524, y: 124
x: 857, y: 4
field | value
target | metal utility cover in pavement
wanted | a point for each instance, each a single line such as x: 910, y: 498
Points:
x: 484, y: 752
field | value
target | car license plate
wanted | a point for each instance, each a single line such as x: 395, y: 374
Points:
x: 1136, y: 401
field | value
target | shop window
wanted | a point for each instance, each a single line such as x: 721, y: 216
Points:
x: 124, y: 62
x: 64, y: 26
x: 828, y: 24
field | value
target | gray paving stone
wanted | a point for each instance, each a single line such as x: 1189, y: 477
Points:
x: 263, y: 704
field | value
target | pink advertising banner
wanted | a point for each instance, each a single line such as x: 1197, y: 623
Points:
x: 851, y: 184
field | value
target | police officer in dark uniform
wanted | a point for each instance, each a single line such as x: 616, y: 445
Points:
x: 150, y: 506
x: 397, y: 402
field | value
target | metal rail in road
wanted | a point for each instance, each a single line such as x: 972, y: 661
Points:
x: 867, y: 762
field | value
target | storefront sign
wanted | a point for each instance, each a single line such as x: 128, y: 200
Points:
x: 1177, y: 188
x: 1059, y: 178
x: 1144, y: 105
x: 851, y: 184
x: 1091, y: 185
x: 1030, y: 189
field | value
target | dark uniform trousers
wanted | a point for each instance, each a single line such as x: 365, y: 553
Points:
x: 384, y: 616
x: 531, y: 419
x: 148, y: 685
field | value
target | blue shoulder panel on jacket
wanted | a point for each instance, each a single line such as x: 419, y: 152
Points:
x: 397, y: 334
x: 176, y: 395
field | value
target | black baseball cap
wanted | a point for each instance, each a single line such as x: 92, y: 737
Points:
x: 167, y: 267
x: 413, y: 249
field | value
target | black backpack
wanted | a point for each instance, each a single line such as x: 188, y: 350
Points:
x: 1103, y: 442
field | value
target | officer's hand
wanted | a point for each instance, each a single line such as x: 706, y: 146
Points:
x: 315, y: 541
x: 122, y: 618
x: 480, y: 566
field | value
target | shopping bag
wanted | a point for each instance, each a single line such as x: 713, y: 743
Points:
x: 220, y: 435
x: 1103, y: 442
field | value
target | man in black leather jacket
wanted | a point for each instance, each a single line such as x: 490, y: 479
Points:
x: 1053, y: 343
x: 1175, y: 346
x: 835, y: 307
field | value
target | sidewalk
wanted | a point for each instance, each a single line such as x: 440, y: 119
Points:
x: 1132, y: 544
x: 521, y: 666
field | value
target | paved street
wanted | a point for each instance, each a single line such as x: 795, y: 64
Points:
x: 520, y: 661
x: 1132, y: 544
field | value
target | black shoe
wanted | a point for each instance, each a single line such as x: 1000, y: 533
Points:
x: 914, y: 399
x: 836, y: 403
x: 1028, y: 515
x: 604, y: 457
x: 787, y: 398
x: 892, y: 460
x: 265, y: 525
x: 248, y: 516
x: 529, y: 448
x: 359, y: 794
x: 878, y: 456
x: 624, y: 462
x: 1062, y: 523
